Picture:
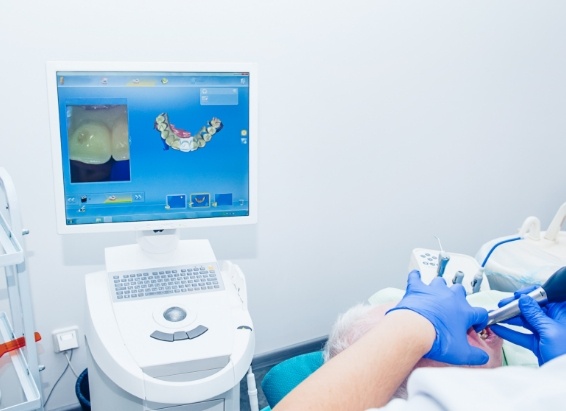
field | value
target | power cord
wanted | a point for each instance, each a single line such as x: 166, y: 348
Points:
x: 69, y: 362
x: 69, y: 358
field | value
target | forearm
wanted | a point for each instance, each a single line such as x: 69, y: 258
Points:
x: 369, y: 372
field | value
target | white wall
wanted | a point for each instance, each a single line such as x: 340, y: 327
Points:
x: 383, y: 123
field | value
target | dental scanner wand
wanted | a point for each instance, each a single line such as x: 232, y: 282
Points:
x: 552, y: 291
x: 443, y: 259
x: 476, y: 282
x: 458, y: 277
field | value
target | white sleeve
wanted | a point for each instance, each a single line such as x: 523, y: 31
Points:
x: 420, y: 403
x: 468, y: 389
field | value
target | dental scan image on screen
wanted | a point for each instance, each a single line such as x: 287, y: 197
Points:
x: 152, y: 148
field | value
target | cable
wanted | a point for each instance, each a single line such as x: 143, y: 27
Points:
x: 71, y: 365
x: 58, y: 379
x: 497, y: 245
x: 252, y: 391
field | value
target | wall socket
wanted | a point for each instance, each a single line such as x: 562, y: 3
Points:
x: 66, y: 338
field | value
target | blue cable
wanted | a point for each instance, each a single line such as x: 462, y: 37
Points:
x: 497, y: 245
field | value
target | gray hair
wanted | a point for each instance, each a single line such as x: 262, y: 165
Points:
x: 348, y: 328
x: 351, y: 326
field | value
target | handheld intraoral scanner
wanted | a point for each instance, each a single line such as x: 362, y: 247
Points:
x: 443, y: 259
x: 552, y: 291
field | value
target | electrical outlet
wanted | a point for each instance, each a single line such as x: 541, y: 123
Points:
x: 66, y: 338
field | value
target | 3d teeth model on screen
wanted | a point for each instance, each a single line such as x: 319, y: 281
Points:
x: 182, y: 140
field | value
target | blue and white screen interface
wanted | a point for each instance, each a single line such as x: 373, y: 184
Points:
x: 148, y: 146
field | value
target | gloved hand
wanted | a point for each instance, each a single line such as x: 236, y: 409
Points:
x: 547, y: 325
x: 450, y: 314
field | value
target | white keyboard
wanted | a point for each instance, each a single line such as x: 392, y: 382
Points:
x: 160, y: 282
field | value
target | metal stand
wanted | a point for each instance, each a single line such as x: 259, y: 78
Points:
x: 20, y: 320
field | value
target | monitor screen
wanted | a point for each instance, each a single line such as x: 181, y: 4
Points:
x: 151, y: 146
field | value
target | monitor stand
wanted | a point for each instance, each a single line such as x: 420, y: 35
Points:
x: 158, y: 241
x: 154, y: 249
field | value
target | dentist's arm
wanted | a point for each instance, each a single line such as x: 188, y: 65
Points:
x: 429, y: 321
x: 367, y: 373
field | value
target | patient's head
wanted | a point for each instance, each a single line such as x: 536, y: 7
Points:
x: 355, y: 322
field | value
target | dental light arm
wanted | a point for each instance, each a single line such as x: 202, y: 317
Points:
x: 553, y: 290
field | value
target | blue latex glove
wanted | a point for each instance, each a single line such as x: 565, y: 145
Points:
x: 450, y: 314
x: 547, y: 325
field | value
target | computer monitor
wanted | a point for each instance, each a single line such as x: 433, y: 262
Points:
x: 153, y: 146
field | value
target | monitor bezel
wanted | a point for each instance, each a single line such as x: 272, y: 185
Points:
x: 52, y: 67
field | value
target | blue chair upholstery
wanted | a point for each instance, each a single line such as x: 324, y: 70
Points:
x: 286, y: 375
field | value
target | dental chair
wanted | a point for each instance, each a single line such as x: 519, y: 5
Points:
x: 286, y: 375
